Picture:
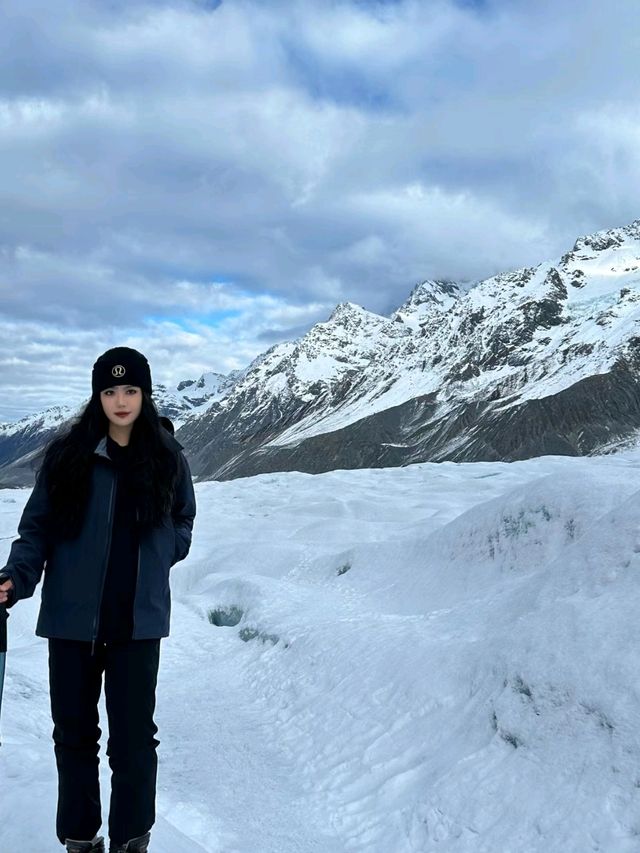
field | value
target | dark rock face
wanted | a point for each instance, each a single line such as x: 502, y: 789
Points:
x: 20, y: 454
x: 578, y: 279
x: 22, y: 461
x: 369, y: 443
x: 579, y: 421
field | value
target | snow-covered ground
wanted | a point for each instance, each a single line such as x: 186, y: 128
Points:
x: 442, y: 657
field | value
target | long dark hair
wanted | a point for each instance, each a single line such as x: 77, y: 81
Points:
x: 69, y: 458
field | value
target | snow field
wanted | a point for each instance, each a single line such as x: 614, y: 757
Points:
x: 432, y: 658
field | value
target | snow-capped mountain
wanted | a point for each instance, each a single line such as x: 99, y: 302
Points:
x: 540, y: 360
x: 193, y: 395
x: 21, y: 441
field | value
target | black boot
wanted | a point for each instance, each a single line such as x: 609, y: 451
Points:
x: 134, y: 845
x: 95, y: 846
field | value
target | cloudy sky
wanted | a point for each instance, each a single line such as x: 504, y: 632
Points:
x: 201, y: 179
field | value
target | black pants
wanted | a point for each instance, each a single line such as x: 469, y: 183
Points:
x: 75, y: 679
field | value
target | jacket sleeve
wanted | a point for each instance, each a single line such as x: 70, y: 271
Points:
x: 184, y: 509
x: 28, y: 553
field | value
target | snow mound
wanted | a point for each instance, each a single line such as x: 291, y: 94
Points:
x: 430, y: 658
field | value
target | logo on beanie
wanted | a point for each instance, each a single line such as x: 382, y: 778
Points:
x: 118, y: 371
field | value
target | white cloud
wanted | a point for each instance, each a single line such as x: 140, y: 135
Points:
x: 48, y: 364
x: 163, y: 161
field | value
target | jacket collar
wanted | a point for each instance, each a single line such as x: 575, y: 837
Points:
x: 101, y: 448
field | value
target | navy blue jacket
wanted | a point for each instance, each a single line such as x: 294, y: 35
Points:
x: 75, y: 569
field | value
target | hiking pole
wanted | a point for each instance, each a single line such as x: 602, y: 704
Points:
x: 3, y: 640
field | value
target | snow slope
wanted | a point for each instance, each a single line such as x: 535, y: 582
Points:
x: 440, y: 658
x: 564, y: 320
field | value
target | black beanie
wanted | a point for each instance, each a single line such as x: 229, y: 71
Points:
x: 121, y: 366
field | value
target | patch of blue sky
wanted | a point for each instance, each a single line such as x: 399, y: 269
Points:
x: 378, y: 4
x: 342, y: 84
x: 480, y: 6
x: 213, y: 319
x: 209, y: 5
x: 385, y: 4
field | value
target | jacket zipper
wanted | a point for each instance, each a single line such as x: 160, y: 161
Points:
x: 133, y: 636
x: 106, y: 563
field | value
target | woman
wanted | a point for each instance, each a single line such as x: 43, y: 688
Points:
x: 111, y: 511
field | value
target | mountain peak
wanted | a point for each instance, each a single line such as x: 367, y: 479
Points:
x: 427, y: 297
x: 609, y: 238
x: 433, y: 290
x: 347, y: 310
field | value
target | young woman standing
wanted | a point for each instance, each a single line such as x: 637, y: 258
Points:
x: 111, y: 511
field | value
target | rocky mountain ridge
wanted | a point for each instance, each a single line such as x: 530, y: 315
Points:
x: 537, y: 360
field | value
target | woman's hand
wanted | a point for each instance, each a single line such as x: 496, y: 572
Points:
x: 5, y: 590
